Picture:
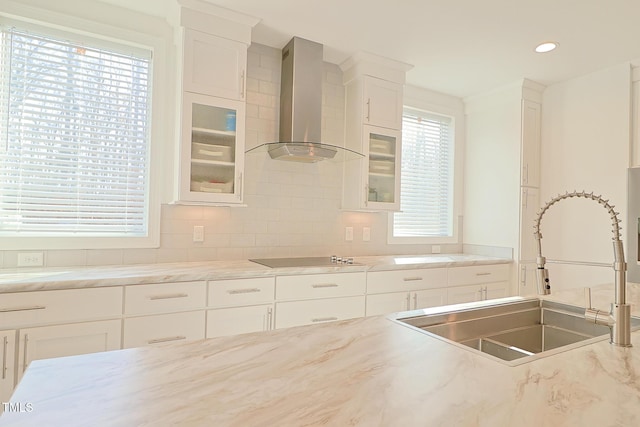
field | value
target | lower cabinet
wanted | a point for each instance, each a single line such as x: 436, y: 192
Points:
x: 402, y: 301
x: 239, y: 320
x: 481, y: 292
x: 66, y: 340
x: 298, y: 313
x: 162, y: 328
x: 7, y: 365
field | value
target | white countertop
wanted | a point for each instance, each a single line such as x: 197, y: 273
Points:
x: 365, y: 372
x: 21, y: 280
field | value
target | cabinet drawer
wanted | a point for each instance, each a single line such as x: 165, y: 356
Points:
x: 164, y: 297
x: 478, y: 274
x: 241, y: 292
x: 297, y: 313
x: 379, y: 282
x: 320, y: 286
x: 62, y: 306
x: 139, y: 331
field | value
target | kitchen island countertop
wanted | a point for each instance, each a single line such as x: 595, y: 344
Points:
x: 365, y: 372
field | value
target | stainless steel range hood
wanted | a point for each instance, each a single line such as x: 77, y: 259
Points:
x: 301, y: 108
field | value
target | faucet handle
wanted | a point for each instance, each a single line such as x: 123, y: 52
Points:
x: 587, y: 298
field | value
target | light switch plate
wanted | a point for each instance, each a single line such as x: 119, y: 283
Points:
x: 366, y: 234
x: 348, y: 234
x: 435, y: 249
x: 30, y: 259
x: 198, y: 233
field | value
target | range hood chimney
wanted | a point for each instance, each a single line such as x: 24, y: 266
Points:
x: 301, y: 107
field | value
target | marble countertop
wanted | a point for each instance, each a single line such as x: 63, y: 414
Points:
x: 362, y: 372
x: 20, y: 280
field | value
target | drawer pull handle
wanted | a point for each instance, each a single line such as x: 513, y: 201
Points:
x: 167, y: 296
x: 324, y: 285
x: 483, y: 274
x: 24, y: 356
x: 167, y: 339
x: 30, y: 308
x: 4, y: 358
x: 323, y: 319
x: 243, y: 291
x: 412, y: 279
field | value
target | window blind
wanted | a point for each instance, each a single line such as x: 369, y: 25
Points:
x: 74, y: 138
x: 426, y: 176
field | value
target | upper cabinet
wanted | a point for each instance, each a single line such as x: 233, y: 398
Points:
x: 373, y: 117
x: 382, y: 103
x: 214, y: 65
x: 212, y: 139
x: 530, y: 161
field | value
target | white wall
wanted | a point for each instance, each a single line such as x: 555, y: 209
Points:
x: 585, y: 145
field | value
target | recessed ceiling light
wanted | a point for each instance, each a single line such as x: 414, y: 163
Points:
x: 546, y: 47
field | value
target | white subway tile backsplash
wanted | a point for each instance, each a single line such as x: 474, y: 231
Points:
x: 66, y: 258
x: 139, y: 256
x: 104, y: 257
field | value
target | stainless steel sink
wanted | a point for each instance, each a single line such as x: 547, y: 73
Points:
x: 512, y: 330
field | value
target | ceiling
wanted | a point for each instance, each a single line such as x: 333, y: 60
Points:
x: 459, y: 47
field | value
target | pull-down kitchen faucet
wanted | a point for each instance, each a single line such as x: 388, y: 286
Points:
x: 619, y: 318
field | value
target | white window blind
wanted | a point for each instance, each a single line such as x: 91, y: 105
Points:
x: 73, y: 138
x: 426, y: 195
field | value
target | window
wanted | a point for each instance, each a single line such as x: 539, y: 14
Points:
x: 74, y: 137
x: 426, y: 194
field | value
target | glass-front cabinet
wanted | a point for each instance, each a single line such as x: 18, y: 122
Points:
x: 382, y: 168
x: 212, y: 150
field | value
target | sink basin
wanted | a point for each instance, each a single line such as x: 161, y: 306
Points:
x: 511, y: 330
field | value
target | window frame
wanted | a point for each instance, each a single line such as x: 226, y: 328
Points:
x: 447, y: 106
x: 103, y: 36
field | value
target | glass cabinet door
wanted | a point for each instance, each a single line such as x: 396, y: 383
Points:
x: 211, y: 146
x: 382, y: 173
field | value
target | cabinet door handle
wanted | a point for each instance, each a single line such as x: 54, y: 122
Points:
x: 412, y: 279
x: 167, y: 296
x: 243, y: 291
x: 525, y: 173
x: 242, y: 84
x: 483, y: 274
x: 366, y: 195
x: 239, y: 196
x: 324, y: 285
x: 323, y: 319
x: 368, y: 109
x: 480, y: 297
x: 415, y: 301
x: 30, y: 308
x: 269, y: 318
x: 4, y: 358
x: 486, y: 293
x: 24, y: 355
x: 167, y: 339
x: 408, y: 301
x: 525, y: 197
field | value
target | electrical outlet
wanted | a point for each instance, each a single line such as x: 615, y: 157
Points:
x: 348, y: 234
x: 31, y: 259
x: 198, y: 233
x: 366, y: 234
x: 435, y: 249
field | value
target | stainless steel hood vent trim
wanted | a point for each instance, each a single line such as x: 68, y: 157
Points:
x: 301, y: 108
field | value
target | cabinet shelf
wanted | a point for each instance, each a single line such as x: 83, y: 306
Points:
x: 212, y: 162
x: 377, y: 155
x: 220, y: 133
x: 383, y: 175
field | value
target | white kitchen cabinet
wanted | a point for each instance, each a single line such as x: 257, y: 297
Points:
x: 472, y: 293
x: 7, y: 364
x: 298, y: 313
x: 212, y: 150
x: 162, y: 328
x: 241, y: 306
x: 402, y: 301
x: 530, y: 161
x: 66, y: 340
x: 382, y: 103
x: 239, y: 320
x: 164, y: 297
x: 529, y: 207
x: 214, y: 65
x: 373, y: 182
